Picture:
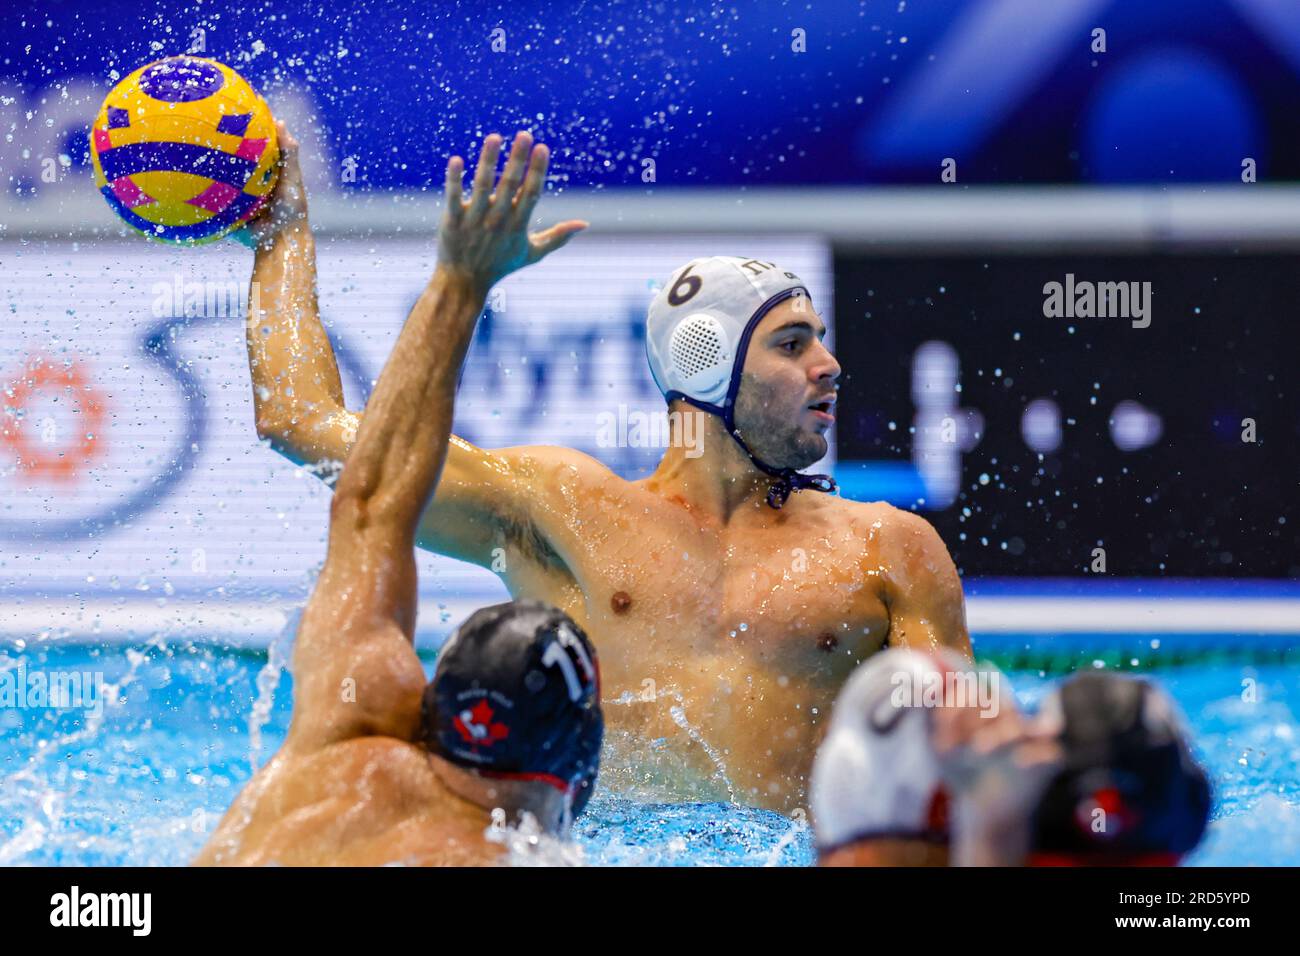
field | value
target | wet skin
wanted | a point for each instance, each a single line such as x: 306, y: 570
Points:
x: 369, y: 801
x: 353, y: 783
x: 725, y: 628
x: 724, y: 638
x: 723, y: 645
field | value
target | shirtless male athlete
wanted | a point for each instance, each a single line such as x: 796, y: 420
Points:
x: 742, y: 605
x: 377, y: 767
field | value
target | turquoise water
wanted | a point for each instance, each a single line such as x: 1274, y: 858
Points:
x: 144, y: 782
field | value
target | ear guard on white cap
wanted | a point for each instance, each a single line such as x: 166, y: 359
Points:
x: 701, y: 356
x: 697, y: 325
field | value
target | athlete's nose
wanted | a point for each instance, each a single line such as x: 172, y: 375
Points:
x: 824, y: 370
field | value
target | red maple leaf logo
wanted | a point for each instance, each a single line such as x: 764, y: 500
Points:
x: 477, y: 728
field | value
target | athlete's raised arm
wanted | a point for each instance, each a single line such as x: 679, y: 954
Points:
x: 297, y: 392
x: 361, y: 617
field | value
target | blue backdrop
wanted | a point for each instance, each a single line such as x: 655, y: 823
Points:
x: 746, y: 94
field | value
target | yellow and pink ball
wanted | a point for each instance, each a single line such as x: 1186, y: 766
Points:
x: 184, y: 150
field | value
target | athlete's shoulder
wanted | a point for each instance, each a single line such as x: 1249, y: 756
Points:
x: 555, y: 461
x: 565, y: 478
x: 881, y: 519
x: 912, y: 530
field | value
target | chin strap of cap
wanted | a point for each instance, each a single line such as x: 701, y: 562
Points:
x: 785, y: 481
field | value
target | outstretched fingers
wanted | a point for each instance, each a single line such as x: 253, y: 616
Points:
x: 527, y: 198
x: 290, y: 172
x: 483, y: 176
x: 285, y: 141
x: 453, y: 191
x: 504, y: 197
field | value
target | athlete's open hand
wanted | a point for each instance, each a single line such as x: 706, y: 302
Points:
x: 486, y: 237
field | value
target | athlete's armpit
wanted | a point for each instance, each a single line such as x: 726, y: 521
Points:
x: 509, y: 503
x: 488, y: 502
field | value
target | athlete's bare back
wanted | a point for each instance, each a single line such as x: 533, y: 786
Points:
x: 368, y: 801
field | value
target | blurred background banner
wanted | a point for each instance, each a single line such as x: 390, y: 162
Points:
x: 1055, y: 243
x: 143, y: 488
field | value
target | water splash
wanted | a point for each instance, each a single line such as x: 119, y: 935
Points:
x: 268, y: 679
x: 798, y: 829
x: 527, y: 844
x: 632, y: 746
x: 41, y: 790
x: 678, y: 714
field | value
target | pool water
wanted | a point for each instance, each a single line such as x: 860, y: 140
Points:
x: 145, y: 781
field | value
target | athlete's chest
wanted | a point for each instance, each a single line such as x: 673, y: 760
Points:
x: 797, y: 592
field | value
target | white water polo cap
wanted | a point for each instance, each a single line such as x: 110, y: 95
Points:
x: 697, y: 334
x: 876, y: 774
x: 700, y: 322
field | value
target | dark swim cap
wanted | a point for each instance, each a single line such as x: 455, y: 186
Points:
x: 1130, y: 792
x: 516, y: 695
